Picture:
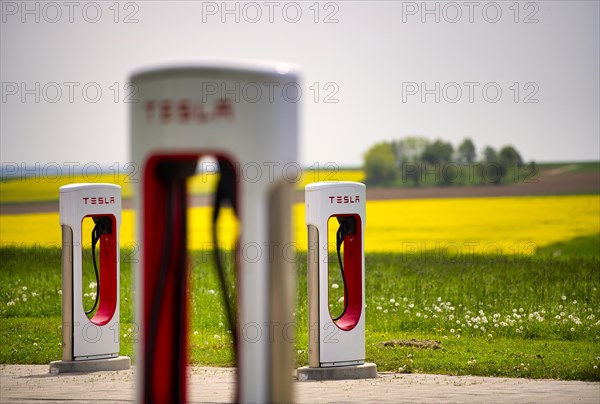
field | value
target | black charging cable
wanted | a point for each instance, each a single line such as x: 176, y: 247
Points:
x: 347, y: 227
x: 226, y: 192
x: 102, y: 225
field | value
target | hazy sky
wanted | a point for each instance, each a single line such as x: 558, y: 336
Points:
x: 506, y: 72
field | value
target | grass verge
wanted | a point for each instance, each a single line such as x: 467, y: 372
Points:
x: 515, y: 316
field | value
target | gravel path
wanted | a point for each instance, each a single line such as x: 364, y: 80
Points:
x: 33, y: 384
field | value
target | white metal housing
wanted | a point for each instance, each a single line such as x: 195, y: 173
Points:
x: 341, y: 342
x: 98, y: 337
x: 247, y: 113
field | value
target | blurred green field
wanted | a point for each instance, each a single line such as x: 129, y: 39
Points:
x: 535, y: 317
x: 576, y: 166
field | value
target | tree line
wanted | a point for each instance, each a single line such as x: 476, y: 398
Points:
x: 418, y: 161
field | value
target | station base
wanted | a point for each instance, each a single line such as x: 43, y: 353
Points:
x: 364, y: 371
x: 92, y: 365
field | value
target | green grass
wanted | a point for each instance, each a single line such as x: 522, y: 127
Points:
x: 533, y: 317
x: 577, y: 247
x: 575, y: 166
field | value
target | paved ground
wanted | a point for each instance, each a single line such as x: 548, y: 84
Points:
x: 33, y: 384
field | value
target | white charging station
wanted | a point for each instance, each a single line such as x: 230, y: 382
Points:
x: 90, y: 341
x: 336, y: 344
x: 245, y: 116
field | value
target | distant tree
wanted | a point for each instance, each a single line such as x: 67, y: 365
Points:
x: 489, y: 154
x: 416, y: 158
x: 466, y: 151
x: 438, y: 152
x: 408, y: 152
x: 380, y: 165
x: 510, y: 161
x: 410, y: 149
x: 511, y: 156
x: 491, y: 169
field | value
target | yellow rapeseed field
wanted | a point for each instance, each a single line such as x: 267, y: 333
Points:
x: 506, y: 225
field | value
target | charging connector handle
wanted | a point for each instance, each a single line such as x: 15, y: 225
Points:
x: 103, y: 225
x: 347, y: 227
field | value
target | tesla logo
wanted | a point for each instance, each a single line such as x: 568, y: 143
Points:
x: 344, y: 199
x: 99, y: 200
x: 187, y: 111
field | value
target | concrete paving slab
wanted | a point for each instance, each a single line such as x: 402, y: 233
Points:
x: 27, y: 384
x: 96, y: 365
x: 364, y: 371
